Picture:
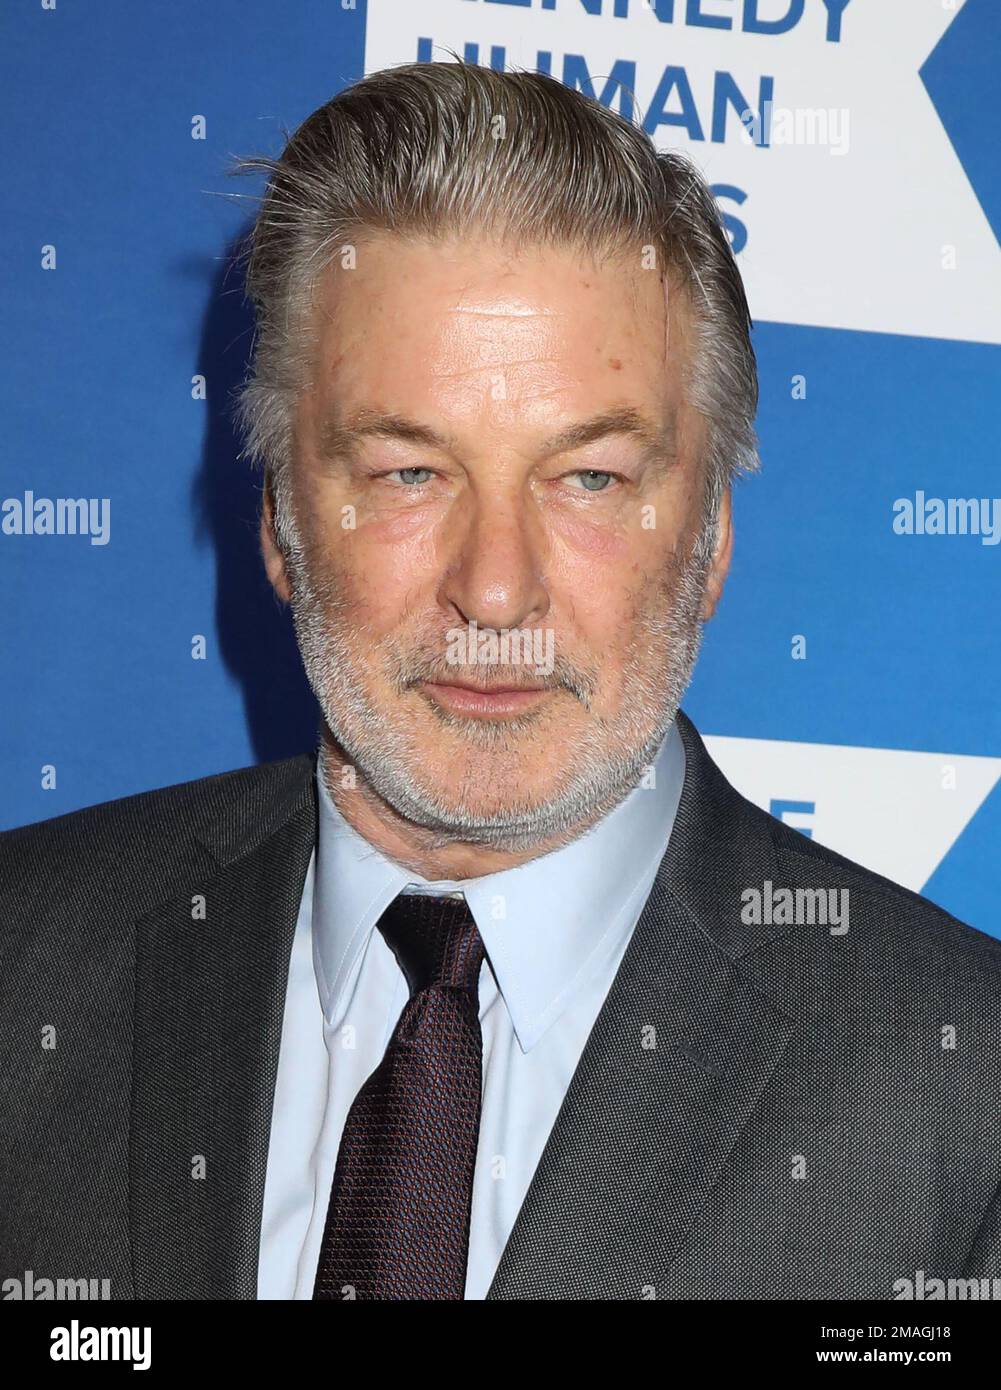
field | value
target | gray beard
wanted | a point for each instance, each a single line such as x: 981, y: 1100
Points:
x: 605, y: 762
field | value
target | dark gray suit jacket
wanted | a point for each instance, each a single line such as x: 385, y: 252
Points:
x: 761, y: 1111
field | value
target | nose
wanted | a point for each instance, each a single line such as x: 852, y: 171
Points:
x: 495, y: 571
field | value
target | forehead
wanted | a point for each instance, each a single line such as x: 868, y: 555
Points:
x: 516, y: 337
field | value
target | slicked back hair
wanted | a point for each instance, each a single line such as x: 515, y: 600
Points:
x: 448, y: 149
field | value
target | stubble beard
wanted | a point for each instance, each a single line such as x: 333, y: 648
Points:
x: 604, y: 758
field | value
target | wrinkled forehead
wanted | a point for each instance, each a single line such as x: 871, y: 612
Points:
x: 514, y: 321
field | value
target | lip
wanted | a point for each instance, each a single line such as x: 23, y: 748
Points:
x: 466, y: 699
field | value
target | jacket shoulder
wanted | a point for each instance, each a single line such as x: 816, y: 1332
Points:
x: 145, y: 825
x: 899, y: 940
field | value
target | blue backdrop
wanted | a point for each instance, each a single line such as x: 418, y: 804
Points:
x: 119, y: 219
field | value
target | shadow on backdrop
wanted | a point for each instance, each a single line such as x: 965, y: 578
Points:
x: 255, y: 632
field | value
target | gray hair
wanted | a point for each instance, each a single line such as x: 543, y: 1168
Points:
x: 429, y: 149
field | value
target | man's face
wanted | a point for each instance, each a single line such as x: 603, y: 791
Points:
x: 437, y: 512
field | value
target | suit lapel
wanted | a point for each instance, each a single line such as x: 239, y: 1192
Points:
x: 678, y: 1058
x: 209, y: 1004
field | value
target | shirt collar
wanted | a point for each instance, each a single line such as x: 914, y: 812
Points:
x: 548, y: 926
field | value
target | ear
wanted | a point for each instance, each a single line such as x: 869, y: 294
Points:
x: 720, y: 565
x: 274, y: 560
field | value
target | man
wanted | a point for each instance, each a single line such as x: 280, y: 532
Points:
x: 472, y: 1004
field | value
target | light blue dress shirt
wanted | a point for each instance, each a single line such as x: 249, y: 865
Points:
x: 554, y: 929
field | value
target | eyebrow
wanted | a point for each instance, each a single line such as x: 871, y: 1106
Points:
x: 338, y: 440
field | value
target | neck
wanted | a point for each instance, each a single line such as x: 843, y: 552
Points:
x: 431, y: 854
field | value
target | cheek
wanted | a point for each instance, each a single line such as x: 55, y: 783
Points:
x: 375, y: 565
x: 597, y: 617
x: 606, y: 576
x: 385, y: 586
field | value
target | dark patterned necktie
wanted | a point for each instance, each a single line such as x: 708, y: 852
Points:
x: 398, y: 1221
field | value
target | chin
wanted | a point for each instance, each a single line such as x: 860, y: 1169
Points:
x: 481, y: 797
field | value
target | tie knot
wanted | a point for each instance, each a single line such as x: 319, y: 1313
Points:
x: 435, y: 941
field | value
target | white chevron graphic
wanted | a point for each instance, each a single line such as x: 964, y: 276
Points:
x: 896, y: 813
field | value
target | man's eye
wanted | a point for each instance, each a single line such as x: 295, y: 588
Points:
x: 592, y: 480
x: 406, y: 476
